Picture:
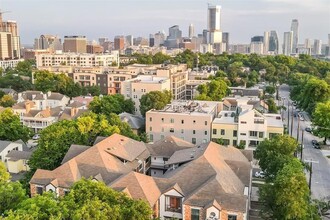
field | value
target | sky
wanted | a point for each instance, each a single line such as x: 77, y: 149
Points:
x: 243, y: 19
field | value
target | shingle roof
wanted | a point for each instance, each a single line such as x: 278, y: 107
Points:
x: 135, y: 122
x: 55, y: 96
x: 139, y: 186
x: 17, y: 155
x: 168, y: 146
x: 74, y: 151
x: 4, y: 144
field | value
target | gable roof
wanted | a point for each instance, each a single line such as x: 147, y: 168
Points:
x: 18, y: 155
x: 134, y: 121
x: 74, y: 151
x: 4, y: 144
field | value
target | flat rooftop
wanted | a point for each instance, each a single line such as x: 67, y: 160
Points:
x: 148, y: 79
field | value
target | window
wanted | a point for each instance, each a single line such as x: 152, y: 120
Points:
x: 193, y: 140
x: 243, y: 134
x: 172, y: 130
x: 194, y: 131
x: 226, y: 141
x: 182, y: 121
x: 205, y: 122
x: 150, y: 119
x: 235, y: 142
x: 194, y: 214
x: 66, y: 192
x: 234, y: 133
x: 259, y: 121
x: 253, y: 133
x: 182, y: 131
x: 172, y: 120
x: 151, y: 137
x: 150, y: 129
x: 205, y: 132
x: 40, y: 189
x: 194, y: 121
x: 214, y: 131
x: 162, y: 119
x: 261, y: 134
x: 232, y: 217
x: 173, y: 204
x: 243, y: 122
x: 222, y: 132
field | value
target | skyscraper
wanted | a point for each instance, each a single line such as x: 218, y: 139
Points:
x: 295, y: 35
x: 317, y: 47
x: 11, y: 48
x: 214, y: 24
x: 266, y: 42
x: 119, y: 42
x: 273, y: 42
x: 191, y: 31
x: 174, y: 37
x: 48, y: 42
x: 287, y: 42
x: 75, y: 44
x: 257, y: 45
x: 159, y: 39
x: 225, y: 40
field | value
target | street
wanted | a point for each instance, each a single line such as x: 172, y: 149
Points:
x: 321, y: 168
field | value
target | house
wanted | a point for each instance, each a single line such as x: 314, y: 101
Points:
x: 137, y: 123
x: 207, y: 181
x: 17, y: 161
x: 43, y: 100
x: 7, y: 146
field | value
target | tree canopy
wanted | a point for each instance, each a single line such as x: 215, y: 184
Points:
x: 154, y: 100
x: 11, y: 128
x: 111, y: 104
x: 215, y: 90
x: 321, y: 120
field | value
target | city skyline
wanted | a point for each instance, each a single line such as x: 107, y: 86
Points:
x: 108, y: 19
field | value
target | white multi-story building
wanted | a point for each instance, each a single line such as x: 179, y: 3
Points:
x: 287, y: 42
x: 135, y: 88
x: 77, y: 59
x: 188, y: 120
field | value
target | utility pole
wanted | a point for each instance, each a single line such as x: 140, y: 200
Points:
x: 292, y: 124
x: 302, y: 144
x: 288, y: 115
x: 298, y: 129
x: 310, y: 173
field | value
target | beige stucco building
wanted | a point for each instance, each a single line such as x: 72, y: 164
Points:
x: 188, y: 120
x: 135, y: 88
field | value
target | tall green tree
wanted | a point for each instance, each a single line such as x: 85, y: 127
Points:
x: 273, y: 154
x: 111, y: 104
x: 154, y: 100
x: 288, y: 196
x: 214, y: 90
x: 11, y: 193
x: 321, y: 119
x: 11, y: 128
x: 7, y: 101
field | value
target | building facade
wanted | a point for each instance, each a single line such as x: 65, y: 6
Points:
x: 75, y: 44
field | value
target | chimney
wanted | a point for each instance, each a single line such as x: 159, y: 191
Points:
x: 27, y: 106
x: 74, y: 111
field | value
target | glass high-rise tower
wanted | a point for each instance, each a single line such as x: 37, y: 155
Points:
x: 295, y: 35
x: 214, y: 24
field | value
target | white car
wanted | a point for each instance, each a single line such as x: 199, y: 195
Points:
x: 260, y: 174
x: 36, y: 137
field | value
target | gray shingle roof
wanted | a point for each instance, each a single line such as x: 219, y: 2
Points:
x: 4, y: 144
x: 18, y: 155
x: 135, y: 122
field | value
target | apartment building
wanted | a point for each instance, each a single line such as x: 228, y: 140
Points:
x: 189, y: 120
x: 75, y: 44
x: 135, y: 88
x: 242, y: 124
x: 208, y: 181
x: 191, y: 88
x: 77, y: 59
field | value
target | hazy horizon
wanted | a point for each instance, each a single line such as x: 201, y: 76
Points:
x: 101, y: 18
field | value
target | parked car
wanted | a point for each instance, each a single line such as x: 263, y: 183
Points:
x: 308, y: 129
x: 260, y: 174
x: 315, y: 144
x: 36, y: 137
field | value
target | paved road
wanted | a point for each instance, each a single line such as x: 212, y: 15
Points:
x: 321, y: 170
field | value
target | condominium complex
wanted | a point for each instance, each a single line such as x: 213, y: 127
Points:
x: 135, y: 88
x: 77, y: 59
x: 241, y: 124
x: 208, y: 181
x: 188, y: 120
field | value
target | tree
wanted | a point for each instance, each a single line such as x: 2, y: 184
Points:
x: 11, y: 128
x: 270, y: 90
x: 15, y: 82
x: 94, y: 200
x: 288, y: 196
x: 271, y: 105
x: 111, y: 104
x: 214, y: 90
x: 7, y: 101
x: 321, y: 120
x: 154, y: 100
x: 11, y: 193
x: 273, y: 154
x: 42, y: 207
